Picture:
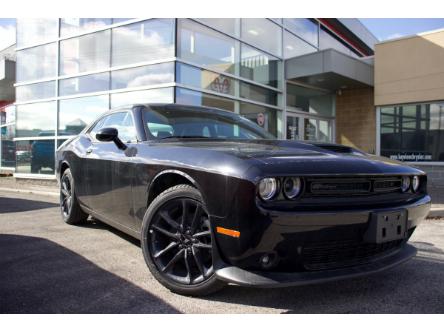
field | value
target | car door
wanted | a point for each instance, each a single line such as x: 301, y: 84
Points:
x: 110, y: 171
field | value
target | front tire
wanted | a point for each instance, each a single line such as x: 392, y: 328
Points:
x: 177, y: 243
x: 69, y: 205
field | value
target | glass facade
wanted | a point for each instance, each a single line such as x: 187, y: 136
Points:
x: 413, y: 133
x: 70, y: 70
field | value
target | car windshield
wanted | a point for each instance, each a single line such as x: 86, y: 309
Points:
x: 187, y: 122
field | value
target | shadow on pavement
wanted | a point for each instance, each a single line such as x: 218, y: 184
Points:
x: 414, y: 287
x: 14, y: 205
x: 40, y: 276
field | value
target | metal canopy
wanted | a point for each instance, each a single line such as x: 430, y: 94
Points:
x: 330, y: 69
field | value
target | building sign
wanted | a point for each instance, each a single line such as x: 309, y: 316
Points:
x: 260, y: 119
x: 413, y: 157
x: 221, y: 85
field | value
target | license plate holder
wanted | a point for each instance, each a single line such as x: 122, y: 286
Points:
x: 386, y: 226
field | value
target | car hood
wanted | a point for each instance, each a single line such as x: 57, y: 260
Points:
x: 278, y: 157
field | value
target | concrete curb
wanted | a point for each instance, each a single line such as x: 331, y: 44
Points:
x: 30, y: 191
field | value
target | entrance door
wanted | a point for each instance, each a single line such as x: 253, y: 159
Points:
x: 308, y: 128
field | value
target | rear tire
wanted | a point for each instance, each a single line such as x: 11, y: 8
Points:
x: 177, y: 242
x: 69, y: 205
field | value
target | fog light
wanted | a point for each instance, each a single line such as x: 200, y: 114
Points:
x: 292, y: 187
x: 405, y: 183
x: 268, y: 260
x: 267, y: 188
x: 415, y: 183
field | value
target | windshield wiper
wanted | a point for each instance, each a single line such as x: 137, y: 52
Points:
x: 185, y: 137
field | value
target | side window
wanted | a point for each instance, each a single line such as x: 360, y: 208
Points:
x: 122, y: 121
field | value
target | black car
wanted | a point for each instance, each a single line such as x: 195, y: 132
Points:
x: 215, y: 199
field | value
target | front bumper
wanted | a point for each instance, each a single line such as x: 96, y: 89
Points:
x: 260, y: 279
x: 289, y: 236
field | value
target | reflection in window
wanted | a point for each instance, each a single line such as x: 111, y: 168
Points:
x: 206, y: 47
x: 69, y: 26
x: 304, y: 28
x: 35, y: 91
x: 309, y: 100
x: 413, y: 132
x: 76, y: 113
x: 37, y: 119
x: 86, y: 53
x: 195, y: 77
x: 328, y: 41
x: 142, y: 76
x: 162, y: 95
x: 294, y: 46
x: 35, y: 156
x: 84, y: 84
x: 7, y: 146
x: 145, y: 41
x: 262, y: 33
x: 258, y: 94
x: 32, y: 31
x: 190, y: 97
x: 227, y: 25
x: 122, y: 121
x: 263, y: 116
x: 260, y: 67
x: 36, y: 63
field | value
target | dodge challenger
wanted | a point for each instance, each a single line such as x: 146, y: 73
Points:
x: 216, y: 200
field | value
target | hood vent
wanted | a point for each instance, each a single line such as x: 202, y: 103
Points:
x: 336, y: 148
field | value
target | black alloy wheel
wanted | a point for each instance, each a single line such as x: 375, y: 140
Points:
x: 65, y: 195
x: 71, y: 211
x: 177, y: 242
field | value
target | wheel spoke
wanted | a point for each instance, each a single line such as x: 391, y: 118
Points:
x: 196, y: 218
x: 171, y: 263
x: 168, y: 219
x: 202, y: 245
x: 166, y: 249
x: 184, y: 212
x: 65, y: 192
x: 165, y: 232
x: 187, y: 266
x: 198, y: 260
x: 202, y: 233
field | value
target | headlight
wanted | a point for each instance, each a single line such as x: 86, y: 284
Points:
x: 292, y: 187
x: 267, y: 188
x: 415, y: 183
x: 405, y: 183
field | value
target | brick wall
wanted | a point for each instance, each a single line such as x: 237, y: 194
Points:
x: 356, y: 119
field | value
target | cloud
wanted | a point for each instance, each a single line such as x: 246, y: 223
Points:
x: 7, y: 36
x: 394, y: 36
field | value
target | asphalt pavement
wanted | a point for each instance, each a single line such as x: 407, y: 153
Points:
x: 47, y: 266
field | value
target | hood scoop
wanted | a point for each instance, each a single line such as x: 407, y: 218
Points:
x: 336, y: 148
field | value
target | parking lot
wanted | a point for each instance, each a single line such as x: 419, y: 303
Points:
x: 49, y: 267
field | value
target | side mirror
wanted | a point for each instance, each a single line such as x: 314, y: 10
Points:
x: 109, y: 134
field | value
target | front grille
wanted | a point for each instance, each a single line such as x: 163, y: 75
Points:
x: 338, y: 254
x: 351, y: 186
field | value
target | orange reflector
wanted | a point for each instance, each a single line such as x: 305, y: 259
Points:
x: 228, y: 232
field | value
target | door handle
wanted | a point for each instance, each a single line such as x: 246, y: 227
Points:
x: 89, y: 151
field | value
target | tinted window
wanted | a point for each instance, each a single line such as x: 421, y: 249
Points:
x: 184, y: 122
x: 122, y: 121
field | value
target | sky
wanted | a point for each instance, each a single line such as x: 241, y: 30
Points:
x: 383, y: 29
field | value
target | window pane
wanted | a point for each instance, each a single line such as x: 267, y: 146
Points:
x: 142, y: 76
x: 328, y: 41
x: 311, y: 100
x: 35, y: 91
x: 304, y: 28
x: 119, y: 19
x: 37, y: 119
x: 206, y: 47
x: 310, y: 128
x: 258, y: 94
x: 86, y: 53
x: 70, y: 26
x: 263, y: 116
x: 7, y: 114
x: 262, y: 33
x: 260, y: 67
x: 294, y: 46
x: 145, y: 41
x: 227, y: 25
x: 123, y: 122
x: 190, y: 97
x: 195, y: 77
x: 37, y: 63
x: 76, y: 113
x: 35, y: 156
x: 8, y: 146
x: 35, y: 30
x: 163, y: 95
x: 84, y: 84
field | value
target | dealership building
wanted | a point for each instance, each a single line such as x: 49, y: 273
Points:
x: 301, y: 79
